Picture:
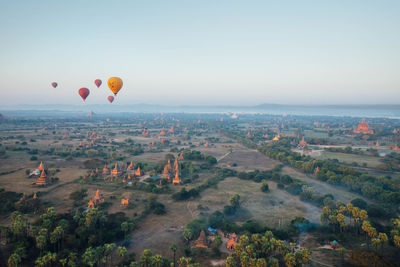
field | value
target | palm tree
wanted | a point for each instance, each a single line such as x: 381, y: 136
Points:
x: 122, y: 252
x: 108, y: 249
x: 145, y: 259
x: 72, y: 259
x: 89, y: 257
x: 157, y: 259
x: 41, y: 243
x: 63, y: 262
x: 174, y: 248
x: 230, y: 262
x: 14, y: 260
x: 127, y: 226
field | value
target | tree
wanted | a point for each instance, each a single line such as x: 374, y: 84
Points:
x: 235, y: 201
x: 230, y: 262
x: 174, y: 248
x: 264, y: 187
x: 145, y: 258
x: 41, y: 243
x: 127, y: 226
x: 89, y: 257
x: 14, y: 260
x: 121, y: 251
x: 215, y: 245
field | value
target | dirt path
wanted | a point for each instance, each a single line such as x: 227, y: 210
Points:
x: 221, y: 158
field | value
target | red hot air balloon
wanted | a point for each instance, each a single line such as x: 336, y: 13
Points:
x: 54, y: 84
x: 110, y: 98
x: 97, y: 82
x: 84, y: 92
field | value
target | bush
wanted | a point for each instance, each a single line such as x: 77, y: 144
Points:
x: 281, y: 186
x: 264, y: 187
x: 33, y: 158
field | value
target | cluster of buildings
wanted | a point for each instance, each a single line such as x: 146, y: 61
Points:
x: 172, y: 174
x: 40, y: 173
x: 203, y: 241
x: 127, y: 173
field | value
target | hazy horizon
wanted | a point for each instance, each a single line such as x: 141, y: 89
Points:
x: 201, y: 53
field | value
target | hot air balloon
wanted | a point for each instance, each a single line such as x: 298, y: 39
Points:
x: 115, y: 84
x: 110, y: 98
x: 97, y: 82
x: 84, y: 92
x: 54, y: 84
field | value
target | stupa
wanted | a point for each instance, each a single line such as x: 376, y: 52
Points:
x: 201, y: 241
x: 177, y: 179
x: 131, y: 167
x: 302, y: 143
x: 116, y: 171
x: 96, y: 200
x: 41, y: 166
x: 138, y: 172
x: 42, y: 179
x: 363, y: 128
x: 106, y: 171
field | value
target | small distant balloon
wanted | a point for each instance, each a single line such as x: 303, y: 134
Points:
x: 115, y: 84
x: 110, y: 98
x: 54, y: 84
x: 84, y: 92
x: 97, y: 82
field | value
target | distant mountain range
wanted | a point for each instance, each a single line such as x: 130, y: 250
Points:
x: 392, y: 111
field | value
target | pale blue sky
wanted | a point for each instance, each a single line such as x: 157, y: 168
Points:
x: 201, y: 52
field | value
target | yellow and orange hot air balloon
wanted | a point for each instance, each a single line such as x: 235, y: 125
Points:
x: 115, y: 84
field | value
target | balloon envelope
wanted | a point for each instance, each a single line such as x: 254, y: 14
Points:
x: 110, y: 98
x: 54, y: 84
x: 84, y: 92
x: 97, y: 82
x: 115, y: 84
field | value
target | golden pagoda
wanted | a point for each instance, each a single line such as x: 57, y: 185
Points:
x: 177, y: 179
x: 116, y: 171
x: 138, y: 172
x: 302, y: 143
x: 171, y: 130
x: 34, y: 196
x: 316, y: 171
x: 181, y: 156
x: 106, y: 171
x: 96, y: 200
x: 131, y: 167
x: 176, y: 164
x: 377, y: 144
x: 396, y: 148
x: 206, y: 144
x: 42, y: 179
x: 168, y: 166
x: 276, y: 138
x: 41, y: 166
x: 165, y: 173
x: 363, y: 128
x: 162, y: 133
